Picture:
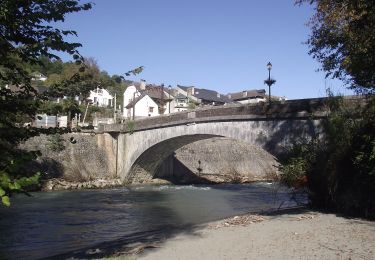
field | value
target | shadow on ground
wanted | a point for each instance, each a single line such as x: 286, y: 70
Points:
x: 139, y: 242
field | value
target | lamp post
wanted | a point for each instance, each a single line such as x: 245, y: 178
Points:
x: 169, y: 98
x: 269, y: 81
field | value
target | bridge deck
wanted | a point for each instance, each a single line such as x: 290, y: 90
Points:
x: 301, y: 108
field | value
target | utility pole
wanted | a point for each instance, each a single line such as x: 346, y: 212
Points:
x: 134, y: 105
x: 169, y: 92
x: 114, y: 110
x: 84, y: 117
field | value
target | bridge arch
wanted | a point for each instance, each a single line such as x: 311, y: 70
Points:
x: 142, y: 152
x: 147, y: 164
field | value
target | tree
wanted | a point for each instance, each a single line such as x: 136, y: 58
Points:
x: 68, y: 83
x: 26, y: 35
x: 343, y: 40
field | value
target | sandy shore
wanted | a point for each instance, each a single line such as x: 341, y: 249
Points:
x: 301, y: 235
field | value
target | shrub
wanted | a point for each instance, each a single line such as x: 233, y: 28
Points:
x: 339, y: 169
x: 130, y: 126
x: 56, y: 143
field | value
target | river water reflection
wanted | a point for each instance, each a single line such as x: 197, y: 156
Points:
x: 65, y: 223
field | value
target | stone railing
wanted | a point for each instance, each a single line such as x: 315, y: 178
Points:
x: 297, y: 109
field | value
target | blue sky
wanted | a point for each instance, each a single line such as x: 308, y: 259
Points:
x: 222, y: 45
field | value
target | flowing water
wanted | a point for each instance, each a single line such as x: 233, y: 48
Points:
x: 61, y: 224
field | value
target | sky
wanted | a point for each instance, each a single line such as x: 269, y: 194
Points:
x: 223, y: 45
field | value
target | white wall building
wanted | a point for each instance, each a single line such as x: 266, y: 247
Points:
x: 130, y: 94
x: 101, y: 97
x: 180, y: 103
x: 38, y: 77
x: 248, y: 96
x: 146, y: 101
x: 144, y: 106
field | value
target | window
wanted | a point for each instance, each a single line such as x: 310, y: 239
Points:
x: 151, y: 109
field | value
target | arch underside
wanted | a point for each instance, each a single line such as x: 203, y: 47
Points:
x: 146, y: 166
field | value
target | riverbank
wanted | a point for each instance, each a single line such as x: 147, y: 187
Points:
x: 57, y: 184
x: 292, y: 235
x: 61, y: 184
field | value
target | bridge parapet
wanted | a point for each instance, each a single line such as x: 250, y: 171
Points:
x: 301, y: 108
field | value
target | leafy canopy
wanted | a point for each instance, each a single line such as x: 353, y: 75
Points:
x: 26, y: 35
x: 343, y: 40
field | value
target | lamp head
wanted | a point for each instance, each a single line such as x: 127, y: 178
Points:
x: 269, y: 66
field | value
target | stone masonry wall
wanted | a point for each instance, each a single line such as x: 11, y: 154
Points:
x: 221, y: 159
x: 86, y: 157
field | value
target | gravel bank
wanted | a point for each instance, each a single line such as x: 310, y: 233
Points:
x: 307, y: 235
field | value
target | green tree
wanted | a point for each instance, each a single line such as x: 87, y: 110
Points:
x: 343, y: 40
x: 26, y: 35
x: 338, y: 171
x: 69, y: 83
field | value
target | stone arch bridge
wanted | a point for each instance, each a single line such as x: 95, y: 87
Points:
x: 141, y: 146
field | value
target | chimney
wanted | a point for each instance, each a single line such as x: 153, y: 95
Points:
x: 190, y: 91
x: 142, y: 86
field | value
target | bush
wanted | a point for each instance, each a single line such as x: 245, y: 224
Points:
x: 339, y: 169
x: 130, y: 126
x: 56, y: 143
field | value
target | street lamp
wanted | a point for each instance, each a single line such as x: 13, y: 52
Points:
x: 169, y: 98
x: 269, y: 81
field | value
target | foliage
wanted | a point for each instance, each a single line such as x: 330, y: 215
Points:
x: 56, y: 143
x: 343, y: 40
x: 26, y: 35
x: 68, y: 83
x: 50, y: 108
x: 130, y: 126
x: 192, y: 105
x: 134, y: 72
x: 27, y: 39
x: 339, y: 169
x: 9, y: 185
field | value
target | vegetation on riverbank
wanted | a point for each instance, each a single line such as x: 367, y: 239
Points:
x: 337, y: 170
x: 26, y: 36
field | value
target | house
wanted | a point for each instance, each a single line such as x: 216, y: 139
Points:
x: 205, y: 96
x: 141, y: 100
x: 36, y: 76
x: 248, y: 96
x: 101, y: 97
x: 180, y: 103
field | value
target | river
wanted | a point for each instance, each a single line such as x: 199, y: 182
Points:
x: 63, y: 224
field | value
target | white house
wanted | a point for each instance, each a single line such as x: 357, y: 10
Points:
x: 203, y: 96
x: 180, y: 103
x: 36, y: 76
x: 249, y: 96
x: 141, y: 100
x: 101, y: 97
x: 142, y: 106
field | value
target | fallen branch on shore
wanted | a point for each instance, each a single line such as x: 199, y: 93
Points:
x: 239, y: 221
